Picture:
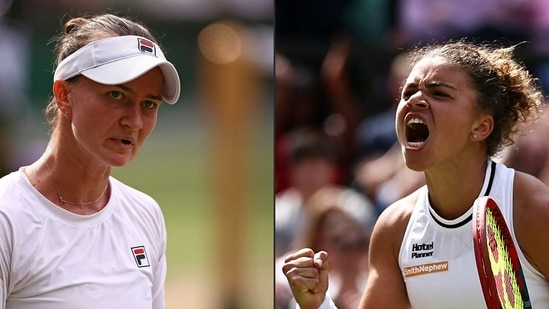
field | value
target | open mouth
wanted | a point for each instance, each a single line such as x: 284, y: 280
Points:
x: 126, y: 142
x: 416, y: 132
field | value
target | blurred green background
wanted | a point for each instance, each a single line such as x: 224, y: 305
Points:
x: 173, y: 167
x: 177, y: 164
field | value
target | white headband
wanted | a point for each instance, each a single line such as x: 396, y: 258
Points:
x: 120, y: 59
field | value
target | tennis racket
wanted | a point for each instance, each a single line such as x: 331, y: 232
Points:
x: 498, y: 264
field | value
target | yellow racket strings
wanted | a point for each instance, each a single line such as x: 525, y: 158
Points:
x: 502, y: 266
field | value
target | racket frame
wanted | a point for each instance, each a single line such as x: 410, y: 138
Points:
x: 482, y: 256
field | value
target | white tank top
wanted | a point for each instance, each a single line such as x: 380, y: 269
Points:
x: 437, y: 257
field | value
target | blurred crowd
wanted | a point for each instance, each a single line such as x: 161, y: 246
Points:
x: 339, y: 65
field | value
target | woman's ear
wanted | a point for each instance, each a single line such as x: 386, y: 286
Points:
x: 61, y: 94
x: 482, y: 128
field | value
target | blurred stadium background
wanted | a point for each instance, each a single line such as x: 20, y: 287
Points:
x: 209, y: 163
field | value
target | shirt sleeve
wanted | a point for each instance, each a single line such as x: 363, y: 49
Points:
x: 5, y: 259
x: 2, y: 294
x: 158, y: 292
x: 328, y: 303
x: 158, y: 287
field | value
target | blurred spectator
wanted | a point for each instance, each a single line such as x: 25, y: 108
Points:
x: 371, y: 22
x: 530, y: 154
x: 311, y: 164
x: 14, y: 53
x: 340, y: 222
x: 376, y: 134
x: 345, y: 113
x: 323, y: 100
x: 424, y: 21
x: 380, y: 171
x: 297, y: 101
x: 539, y: 25
x: 387, y: 179
x: 300, y: 104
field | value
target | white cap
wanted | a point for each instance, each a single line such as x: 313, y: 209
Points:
x: 120, y: 59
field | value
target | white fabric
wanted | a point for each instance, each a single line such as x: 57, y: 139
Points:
x: 120, y: 59
x: 54, y: 259
x: 328, y: 303
x: 438, y: 262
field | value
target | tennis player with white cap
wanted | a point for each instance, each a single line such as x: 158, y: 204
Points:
x: 71, y: 235
x: 120, y: 59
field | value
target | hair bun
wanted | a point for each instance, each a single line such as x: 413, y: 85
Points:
x: 73, y: 24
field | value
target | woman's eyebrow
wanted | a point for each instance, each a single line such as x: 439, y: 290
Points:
x: 435, y: 84
x: 130, y: 90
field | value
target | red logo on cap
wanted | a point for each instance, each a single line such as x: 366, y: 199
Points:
x: 146, y: 46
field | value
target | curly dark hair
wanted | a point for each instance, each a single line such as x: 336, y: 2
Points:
x: 506, y: 90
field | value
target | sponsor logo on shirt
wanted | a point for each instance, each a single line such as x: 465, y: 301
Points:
x: 424, y: 269
x: 423, y: 250
x: 140, y: 256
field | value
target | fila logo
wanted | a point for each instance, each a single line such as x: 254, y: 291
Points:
x: 140, y: 256
x: 146, y: 46
x: 423, y: 250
